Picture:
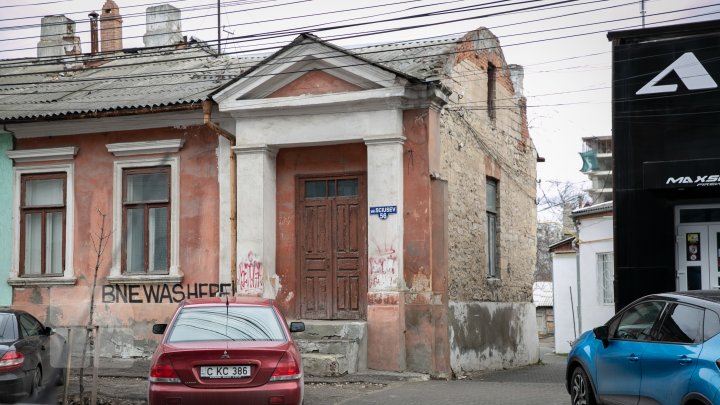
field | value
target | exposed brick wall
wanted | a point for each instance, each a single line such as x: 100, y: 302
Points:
x: 475, y: 146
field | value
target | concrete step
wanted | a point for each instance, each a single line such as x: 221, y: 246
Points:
x: 342, y: 338
x: 319, y: 329
x: 324, y: 365
x: 349, y: 348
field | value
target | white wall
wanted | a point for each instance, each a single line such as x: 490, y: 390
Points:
x: 564, y: 278
x: 596, y: 237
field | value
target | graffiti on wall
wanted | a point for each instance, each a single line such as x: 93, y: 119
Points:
x: 250, y: 273
x: 159, y: 293
x: 382, y: 267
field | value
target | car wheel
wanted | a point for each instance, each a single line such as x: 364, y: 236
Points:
x: 37, y: 382
x: 580, y: 390
x: 61, y: 377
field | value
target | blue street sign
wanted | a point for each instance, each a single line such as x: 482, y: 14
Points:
x: 383, y: 212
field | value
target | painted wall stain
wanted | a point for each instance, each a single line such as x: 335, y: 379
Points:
x: 382, y: 267
x: 250, y: 273
x: 488, y: 336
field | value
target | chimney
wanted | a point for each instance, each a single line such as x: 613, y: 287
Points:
x: 163, y: 26
x: 57, y: 37
x: 93, y: 33
x: 110, y: 27
x: 517, y: 76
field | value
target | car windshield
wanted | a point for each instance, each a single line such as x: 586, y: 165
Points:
x: 220, y: 323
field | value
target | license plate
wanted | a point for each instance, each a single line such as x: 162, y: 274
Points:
x: 225, y: 371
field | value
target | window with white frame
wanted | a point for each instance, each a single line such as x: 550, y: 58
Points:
x: 606, y: 277
x: 491, y: 186
x: 146, y: 199
x: 42, y: 224
x: 43, y: 212
x: 146, y: 220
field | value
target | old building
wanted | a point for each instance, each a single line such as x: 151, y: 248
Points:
x: 384, y: 194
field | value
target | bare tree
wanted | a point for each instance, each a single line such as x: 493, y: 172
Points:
x: 99, y: 242
x: 556, y: 201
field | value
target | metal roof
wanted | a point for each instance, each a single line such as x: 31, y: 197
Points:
x: 149, y: 78
x: 607, y: 206
x: 424, y: 60
x: 131, y: 79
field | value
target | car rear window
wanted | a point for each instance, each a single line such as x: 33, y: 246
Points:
x: 7, y: 330
x: 220, y: 323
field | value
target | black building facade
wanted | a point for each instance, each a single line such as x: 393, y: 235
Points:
x: 666, y: 151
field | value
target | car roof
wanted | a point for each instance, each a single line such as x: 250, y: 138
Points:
x: 8, y: 310
x: 234, y: 301
x: 706, y: 298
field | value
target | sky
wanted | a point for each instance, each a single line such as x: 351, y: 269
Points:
x: 562, y: 44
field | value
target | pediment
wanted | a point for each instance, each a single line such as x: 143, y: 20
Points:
x: 310, y: 64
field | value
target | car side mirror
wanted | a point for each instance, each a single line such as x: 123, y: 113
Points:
x: 159, y: 328
x: 602, y: 333
x: 297, y: 327
x: 49, y: 331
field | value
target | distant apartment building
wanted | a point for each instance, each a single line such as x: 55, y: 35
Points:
x: 597, y: 165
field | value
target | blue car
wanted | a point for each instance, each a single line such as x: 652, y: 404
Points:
x: 661, y: 349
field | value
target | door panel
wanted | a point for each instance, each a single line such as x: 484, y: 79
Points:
x: 714, y: 257
x: 692, y: 255
x: 316, y: 260
x: 333, y: 233
x: 348, y: 258
x: 668, y: 364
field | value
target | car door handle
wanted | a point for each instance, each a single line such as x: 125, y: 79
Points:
x: 42, y: 347
x: 633, y: 358
x: 684, y: 359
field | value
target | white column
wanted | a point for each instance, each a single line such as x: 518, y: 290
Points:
x: 256, y: 207
x: 385, y: 235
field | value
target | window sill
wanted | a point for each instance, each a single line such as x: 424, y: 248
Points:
x: 40, y: 281
x: 146, y: 279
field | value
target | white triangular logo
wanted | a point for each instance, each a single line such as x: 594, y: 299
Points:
x: 691, y: 72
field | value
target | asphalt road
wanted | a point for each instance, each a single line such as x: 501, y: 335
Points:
x: 540, y: 384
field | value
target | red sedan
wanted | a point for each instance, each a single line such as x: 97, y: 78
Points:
x: 226, y: 350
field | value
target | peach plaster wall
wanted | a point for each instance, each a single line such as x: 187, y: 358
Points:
x: 127, y: 325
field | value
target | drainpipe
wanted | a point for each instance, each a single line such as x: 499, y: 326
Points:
x: 207, y: 111
x: 576, y: 248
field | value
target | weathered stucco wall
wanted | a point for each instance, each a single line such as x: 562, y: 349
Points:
x: 491, y: 336
x: 475, y: 147
x: 126, y: 312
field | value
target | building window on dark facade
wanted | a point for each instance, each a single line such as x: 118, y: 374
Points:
x: 606, y: 277
x: 491, y: 188
x: 491, y: 90
x: 146, y: 220
x: 42, y: 224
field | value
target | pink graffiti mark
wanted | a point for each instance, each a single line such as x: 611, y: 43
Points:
x: 382, y: 266
x: 250, y: 273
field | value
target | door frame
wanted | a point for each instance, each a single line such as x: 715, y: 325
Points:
x: 362, y: 191
x: 708, y: 268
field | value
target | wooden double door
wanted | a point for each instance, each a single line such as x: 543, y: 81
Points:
x: 332, y: 241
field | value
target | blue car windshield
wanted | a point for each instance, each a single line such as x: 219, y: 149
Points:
x: 220, y: 323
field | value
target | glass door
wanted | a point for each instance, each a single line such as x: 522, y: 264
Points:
x: 693, y: 271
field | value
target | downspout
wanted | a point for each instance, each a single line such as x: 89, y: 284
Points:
x: 576, y: 248
x: 207, y: 112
